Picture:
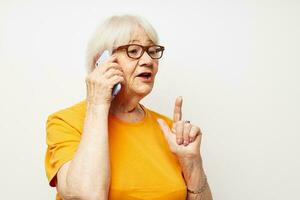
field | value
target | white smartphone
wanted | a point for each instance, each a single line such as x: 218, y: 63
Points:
x: 105, y: 55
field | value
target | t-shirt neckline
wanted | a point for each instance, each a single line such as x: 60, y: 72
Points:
x: 138, y: 123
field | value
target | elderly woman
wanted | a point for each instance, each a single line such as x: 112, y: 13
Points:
x: 113, y: 147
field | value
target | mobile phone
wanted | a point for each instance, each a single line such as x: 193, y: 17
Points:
x: 105, y: 55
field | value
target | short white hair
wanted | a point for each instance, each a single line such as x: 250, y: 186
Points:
x: 116, y: 31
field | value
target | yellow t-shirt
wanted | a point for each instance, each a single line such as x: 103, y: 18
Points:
x: 142, y: 165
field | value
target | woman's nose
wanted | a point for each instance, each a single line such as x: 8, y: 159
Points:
x: 145, y: 59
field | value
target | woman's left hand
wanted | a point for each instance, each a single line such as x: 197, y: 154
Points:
x: 184, y: 138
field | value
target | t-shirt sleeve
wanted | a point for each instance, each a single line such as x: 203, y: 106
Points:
x: 62, y: 141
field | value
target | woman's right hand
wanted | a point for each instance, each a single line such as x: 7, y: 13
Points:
x: 101, y: 81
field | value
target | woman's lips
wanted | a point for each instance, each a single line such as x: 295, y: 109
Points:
x: 145, y: 76
x: 146, y: 79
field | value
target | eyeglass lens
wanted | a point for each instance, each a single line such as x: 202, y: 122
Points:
x: 136, y: 51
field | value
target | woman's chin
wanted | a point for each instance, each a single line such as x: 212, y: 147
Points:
x: 144, y: 90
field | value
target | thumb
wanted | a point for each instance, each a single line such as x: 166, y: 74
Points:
x: 166, y: 130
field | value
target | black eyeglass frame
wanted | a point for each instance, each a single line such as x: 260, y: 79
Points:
x: 144, y: 48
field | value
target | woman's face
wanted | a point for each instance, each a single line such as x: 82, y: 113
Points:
x: 139, y: 74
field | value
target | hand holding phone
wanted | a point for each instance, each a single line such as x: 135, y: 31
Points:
x: 105, y: 55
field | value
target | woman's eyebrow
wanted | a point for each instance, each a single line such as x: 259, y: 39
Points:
x: 135, y: 41
x: 149, y: 41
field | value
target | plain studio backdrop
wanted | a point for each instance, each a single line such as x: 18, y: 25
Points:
x: 236, y: 64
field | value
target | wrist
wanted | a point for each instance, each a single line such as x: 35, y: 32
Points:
x: 97, y: 108
x: 193, y: 172
x: 190, y: 163
x: 197, y: 190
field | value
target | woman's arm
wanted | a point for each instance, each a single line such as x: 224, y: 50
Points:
x: 195, y: 179
x: 87, y: 176
x: 184, y: 141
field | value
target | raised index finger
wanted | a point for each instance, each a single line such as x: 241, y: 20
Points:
x: 177, y: 109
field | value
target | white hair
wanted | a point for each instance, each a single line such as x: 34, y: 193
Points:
x: 116, y: 31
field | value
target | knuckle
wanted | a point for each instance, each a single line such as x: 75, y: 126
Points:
x: 187, y: 125
x: 186, y: 134
x: 178, y: 130
x: 198, y: 129
x: 179, y: 134
x: 179, y: 137
x: 193, y: 134
x: 174, y: 126
x: 186, y: 130
x: 179, y: 124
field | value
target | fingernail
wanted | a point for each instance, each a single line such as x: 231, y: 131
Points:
x: 191, y: 139
x: 185, y: 142
x: 178, y: 141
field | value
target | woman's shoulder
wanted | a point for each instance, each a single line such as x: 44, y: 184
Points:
x: 72, y: 115
x: 77, y: 108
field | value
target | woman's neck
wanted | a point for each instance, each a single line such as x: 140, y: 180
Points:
x: 127, y: 109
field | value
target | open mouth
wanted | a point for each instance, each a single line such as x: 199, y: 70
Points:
x: 145, y: 75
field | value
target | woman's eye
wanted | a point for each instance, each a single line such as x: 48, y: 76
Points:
x: 155, y: 51
x: 152, y: 52
x: 133, y: 51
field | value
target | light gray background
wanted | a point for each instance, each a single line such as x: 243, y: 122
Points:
x: 236, y: 64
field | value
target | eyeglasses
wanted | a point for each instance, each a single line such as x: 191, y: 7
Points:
x: 136, y: 51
